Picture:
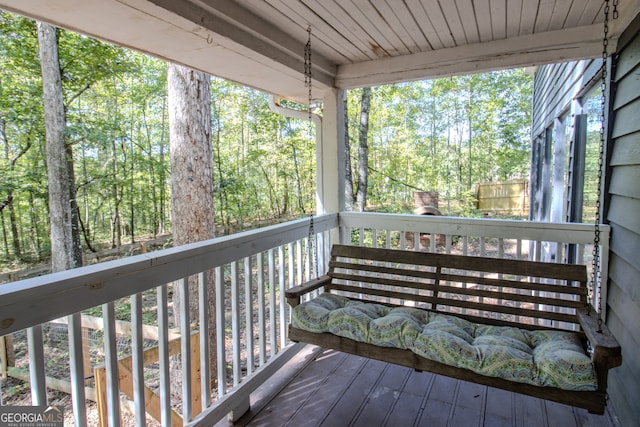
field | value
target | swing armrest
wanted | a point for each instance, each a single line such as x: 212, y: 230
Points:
x: 293, y: 294
x: 606, y: 349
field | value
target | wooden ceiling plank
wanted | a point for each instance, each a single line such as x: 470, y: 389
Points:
x: 529, y: 16
x: 302, y: 15
x: 294, y: 28
x: 468, y: 20
x: 452, y: 16
x: 425, y: 24
x: 483, y: 18
x: 376, y: 40
x: 439, y: 22
x: 372, y: 16
x: 592, y: 12
x: 575, y: 14
x: 409, y: 23
x: 560, y: 14
x: 498, y: 19
x: 394, y: 24
x: 514, y: 16
x: 545, y: 10
x: 343, y: 23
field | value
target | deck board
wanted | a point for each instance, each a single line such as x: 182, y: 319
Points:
x: 337, y: 389
x: 348, y: 404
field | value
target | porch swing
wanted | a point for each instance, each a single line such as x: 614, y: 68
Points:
x: 528, y: 327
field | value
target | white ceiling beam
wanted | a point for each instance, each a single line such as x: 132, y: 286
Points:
x: 535, y: 49
x: 229, y: 26
x: 252, y: 31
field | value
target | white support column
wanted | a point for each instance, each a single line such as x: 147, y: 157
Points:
x: 329, y: 169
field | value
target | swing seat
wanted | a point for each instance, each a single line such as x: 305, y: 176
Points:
x: 518, y: 325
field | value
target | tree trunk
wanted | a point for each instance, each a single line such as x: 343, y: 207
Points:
x: 116, y: 223
x: 348, y: 175
x: 363, y: 149
x: 17, y: 251
x: 64, y: 250
x: 192, y: 178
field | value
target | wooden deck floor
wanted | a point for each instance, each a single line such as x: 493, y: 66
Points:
x: 337, y: 389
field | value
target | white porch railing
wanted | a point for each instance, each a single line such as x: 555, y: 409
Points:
x: 130, y: 297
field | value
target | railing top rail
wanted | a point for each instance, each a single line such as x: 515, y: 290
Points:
x: 37, y: 300
x: 34, y: 301
x: 532, y: 230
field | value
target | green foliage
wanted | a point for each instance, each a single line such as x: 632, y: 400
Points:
x: 445, y: 135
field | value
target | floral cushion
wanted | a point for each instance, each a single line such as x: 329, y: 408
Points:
x: 542, y: 358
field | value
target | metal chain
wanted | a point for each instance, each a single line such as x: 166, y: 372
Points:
x: 307, y: 70
x: 596, y: 280
x: 308, y: 83
x: 312, y: 247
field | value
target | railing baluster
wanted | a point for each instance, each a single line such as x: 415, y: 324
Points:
x: 291, y: 264
x: 137, y: 367
x: 299, y: 258
x: 248, y: 307
x: 321, y: 242
x: 272, y: 302
x: 111, y: 364
x: 220, y: 333
x: 203, y: 313
x: 235, y: 323
x: 313, y: 258
x: 163, y: 350
x: 282, y: 300
x: 36, y: 366
x: 185, y: 347
x: 262, y: 330
x: 519, y: 244
x: 76, y: 365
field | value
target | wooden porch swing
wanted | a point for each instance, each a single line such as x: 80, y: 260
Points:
x: 437, y: 312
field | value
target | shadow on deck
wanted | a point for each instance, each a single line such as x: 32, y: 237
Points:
x: 336, y: 389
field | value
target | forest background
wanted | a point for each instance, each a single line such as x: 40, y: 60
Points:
x: 444, y: 135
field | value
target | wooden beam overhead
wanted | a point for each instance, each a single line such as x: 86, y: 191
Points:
x: 524, y: 51
x: 231, y: 23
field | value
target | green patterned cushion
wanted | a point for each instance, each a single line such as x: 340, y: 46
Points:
x: 353, y: 320
x: 446, y: 344
x: 399, y: 328
x: 313, y: 315
x: 502, y: 361
x: 542, y: 358
x: 562, y: 362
